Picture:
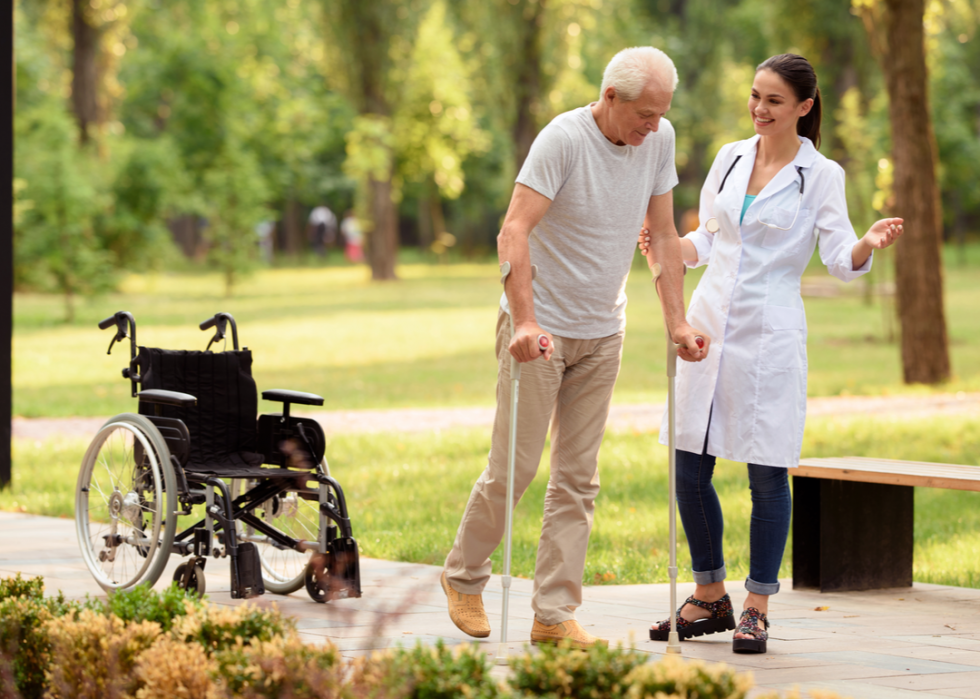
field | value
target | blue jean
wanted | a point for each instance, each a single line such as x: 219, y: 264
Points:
x: 704, y: 525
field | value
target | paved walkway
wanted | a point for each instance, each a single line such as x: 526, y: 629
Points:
x: 921, y: 642
x: 642, y: 417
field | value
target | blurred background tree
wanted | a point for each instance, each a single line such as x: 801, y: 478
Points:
x: 154, y: 134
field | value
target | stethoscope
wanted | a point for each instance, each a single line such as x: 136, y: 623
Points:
x: 712, y: 223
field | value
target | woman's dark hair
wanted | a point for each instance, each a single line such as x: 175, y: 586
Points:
x: 799, y: 74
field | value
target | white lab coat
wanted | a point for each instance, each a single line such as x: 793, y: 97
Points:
x: 753, y: 382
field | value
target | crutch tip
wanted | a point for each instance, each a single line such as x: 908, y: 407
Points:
x: 502, y: 657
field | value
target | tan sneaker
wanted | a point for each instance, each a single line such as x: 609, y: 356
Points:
x: 466, y: 611
x: 571, y: 629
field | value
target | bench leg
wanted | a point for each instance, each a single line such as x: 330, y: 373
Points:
x: 851, y: 536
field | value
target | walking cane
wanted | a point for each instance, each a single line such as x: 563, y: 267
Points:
x: 673, y: 640
x: 515, y: 381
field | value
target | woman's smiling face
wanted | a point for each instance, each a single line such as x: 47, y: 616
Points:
x: 773, y: 105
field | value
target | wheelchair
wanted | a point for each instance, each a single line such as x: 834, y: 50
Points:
x: 269, y: 502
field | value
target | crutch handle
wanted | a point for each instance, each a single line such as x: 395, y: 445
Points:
x: 543, y: 342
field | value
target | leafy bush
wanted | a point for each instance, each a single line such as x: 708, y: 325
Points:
x: 218, y: 628
x: 143, y: 603
x: 282, y: 667
x: 24, y: 642
x: 32, y: 588
x: 171, y: 669
x: 691, y: 679
x: 564, y: 671
x: 427, y: 673
x: 96, y: 654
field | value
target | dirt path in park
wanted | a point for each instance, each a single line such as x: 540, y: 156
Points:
x: 644, y: 417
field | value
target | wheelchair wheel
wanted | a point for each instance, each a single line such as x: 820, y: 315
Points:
x: 196, y: 581
x: 125, y: 504
x: 283, y: 570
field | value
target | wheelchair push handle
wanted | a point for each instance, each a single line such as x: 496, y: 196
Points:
x: 125, y: 327
x: 219, y: 322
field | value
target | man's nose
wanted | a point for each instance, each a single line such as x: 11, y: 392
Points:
x: 653, y: 123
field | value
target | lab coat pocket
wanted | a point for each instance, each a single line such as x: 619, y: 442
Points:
x: 784, y: 344
x: 782, y: 226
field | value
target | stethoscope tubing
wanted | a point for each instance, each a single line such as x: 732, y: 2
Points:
x: 799, y: 169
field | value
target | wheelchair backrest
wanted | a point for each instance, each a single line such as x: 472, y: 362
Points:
x: 224, y: 420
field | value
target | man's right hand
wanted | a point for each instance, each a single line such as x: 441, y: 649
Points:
x: 687, y: 337
x: 524, y: 345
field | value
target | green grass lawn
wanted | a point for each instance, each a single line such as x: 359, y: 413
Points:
x: 425, y: 341
x: 407, y: 492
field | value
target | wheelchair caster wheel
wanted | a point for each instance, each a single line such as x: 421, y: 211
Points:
x: 194, y: 582
x: 317, y: 579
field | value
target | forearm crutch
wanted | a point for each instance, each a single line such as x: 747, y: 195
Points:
x: 515, y: 382
x: 673, y: 640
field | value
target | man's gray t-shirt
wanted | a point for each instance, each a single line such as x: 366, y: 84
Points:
x: 583, y: 246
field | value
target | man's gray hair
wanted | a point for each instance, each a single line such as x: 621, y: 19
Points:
x: 631, y: 70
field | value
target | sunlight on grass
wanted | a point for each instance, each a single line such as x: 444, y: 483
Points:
x: 407, y: 493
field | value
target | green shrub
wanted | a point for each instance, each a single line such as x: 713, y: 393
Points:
x: 96, y: 655
x: 143, y: 603
x: 427, y: 673
x: 32, y: 588
x: 691, y: 679
x: 218, y: 628
x: 171, y: 669
x: 565, y: 671
x: 282, y: 667
x: 24, y: 642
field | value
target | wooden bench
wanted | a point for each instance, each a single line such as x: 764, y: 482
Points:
x: 853, y: 519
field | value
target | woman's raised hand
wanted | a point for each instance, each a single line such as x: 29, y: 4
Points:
x: 884, y: 232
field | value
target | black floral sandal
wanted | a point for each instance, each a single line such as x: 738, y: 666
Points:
x: 722, y: 619
x: 754, y: 623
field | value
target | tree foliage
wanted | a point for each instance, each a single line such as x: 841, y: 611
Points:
x: 228, y: 113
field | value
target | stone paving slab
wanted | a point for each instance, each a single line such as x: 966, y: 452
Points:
x: 921, y: 642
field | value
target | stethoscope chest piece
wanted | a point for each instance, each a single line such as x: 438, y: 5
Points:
x: 712, y: 225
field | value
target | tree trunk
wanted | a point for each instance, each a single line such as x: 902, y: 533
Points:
x: 527, y: 84
x: 918, y: 261
x: 383, y: 236
x: 293, y: 230
x: 426, y: 229
x: 85, y: 71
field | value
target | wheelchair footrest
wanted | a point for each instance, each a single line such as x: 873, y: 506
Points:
x: 336, y: 574
x: 345, y: 568
x: 248, y: 580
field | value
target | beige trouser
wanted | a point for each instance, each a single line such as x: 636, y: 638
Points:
x: 575, y: 386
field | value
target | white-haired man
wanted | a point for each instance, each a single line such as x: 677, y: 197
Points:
x: 593, y: 178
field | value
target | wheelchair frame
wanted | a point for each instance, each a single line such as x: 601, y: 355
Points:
x: 152, y: 452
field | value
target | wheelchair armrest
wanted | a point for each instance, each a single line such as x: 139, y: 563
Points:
x: 158, y: 396
x: 281, y: 395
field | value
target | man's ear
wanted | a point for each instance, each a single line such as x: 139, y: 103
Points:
x: 610, y: 94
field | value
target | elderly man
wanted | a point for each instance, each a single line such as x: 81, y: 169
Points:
x: 594, y: 176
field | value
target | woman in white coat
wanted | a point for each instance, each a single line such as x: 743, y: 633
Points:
x: 766, y: 203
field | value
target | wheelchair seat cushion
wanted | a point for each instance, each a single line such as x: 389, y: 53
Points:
x: 222, y: 425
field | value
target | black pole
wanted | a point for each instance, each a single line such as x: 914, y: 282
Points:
x: 6, y: 247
